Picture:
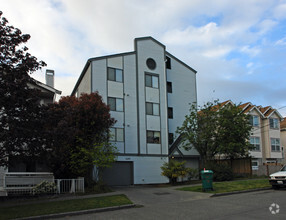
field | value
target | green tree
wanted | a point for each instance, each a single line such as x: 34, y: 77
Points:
x: 233, y: 132
x: 174, y: 169
x: 216, y: 129
x: 21, y: 115
x: 199, y: 131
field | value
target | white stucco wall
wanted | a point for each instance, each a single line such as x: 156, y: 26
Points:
x: 147, y: 169
x: 256, y: 132
x: 130, y: 101
x: 85, y: 85
x: 99, y: 78
x: 148, y: 48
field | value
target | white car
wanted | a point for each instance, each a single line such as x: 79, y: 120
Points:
x: 278, y: 179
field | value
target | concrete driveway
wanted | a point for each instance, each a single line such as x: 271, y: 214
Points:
x: 168, y: 203
x: 150, y: 195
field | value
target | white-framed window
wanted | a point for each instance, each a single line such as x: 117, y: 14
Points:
x: 152, y: 108
x: 151, y: 81
x: 275, y: 144
x: 117, y: 134
x: 114, y: 74
x: 254, y: 164
x: 274, y: 123
x: 153, y: 137
x: 255, y: 141
x: 254, y: 120
x: 115, y: 104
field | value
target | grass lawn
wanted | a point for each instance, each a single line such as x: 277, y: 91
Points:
x: 52, y: 207
x: 231, y: 186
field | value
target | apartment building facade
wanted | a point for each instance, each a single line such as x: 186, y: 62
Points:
x: 149, y: 92
x: 265, y: 134
x: 283, y: 139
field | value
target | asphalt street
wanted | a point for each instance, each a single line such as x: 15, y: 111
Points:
x: 168, y: 203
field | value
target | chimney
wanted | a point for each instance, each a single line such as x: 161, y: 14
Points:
x: 50, y: 78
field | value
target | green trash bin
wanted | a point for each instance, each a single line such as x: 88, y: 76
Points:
x: 207, y: 179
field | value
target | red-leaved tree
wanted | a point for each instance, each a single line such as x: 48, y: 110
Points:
x: 75, y: 128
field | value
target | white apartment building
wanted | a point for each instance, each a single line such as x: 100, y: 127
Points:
x: 149, y: 92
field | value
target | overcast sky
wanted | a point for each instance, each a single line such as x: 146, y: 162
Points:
x: 238, y: 47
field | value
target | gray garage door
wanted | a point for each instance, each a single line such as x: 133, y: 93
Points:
x: 120, y: 174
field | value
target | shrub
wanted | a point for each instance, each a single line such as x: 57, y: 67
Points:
x: 174, y: 169
x: 45, y: 187
x: 193, y: 174
x: 222, y: 172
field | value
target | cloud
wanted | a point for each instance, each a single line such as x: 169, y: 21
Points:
x: 281, y: 42
x: 250, y: 51
x: 223, y: 40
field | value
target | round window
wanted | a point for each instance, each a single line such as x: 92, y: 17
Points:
x: 151, y: 63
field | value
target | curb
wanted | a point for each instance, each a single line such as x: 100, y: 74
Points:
x: 89, y: 211
x: 239, y: 192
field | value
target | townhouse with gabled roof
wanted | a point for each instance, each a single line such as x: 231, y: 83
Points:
x: 283, y: 139
x: 265, y: 133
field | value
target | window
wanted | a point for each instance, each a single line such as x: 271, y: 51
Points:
x: 117, y: 134
x: 274, y: 123
x: 254, y: 164
x: 169, y: 87
x: 152, y: 109
x: 151, y: 81
x: 168, y: 62
x: 255, y: 141
x: 254, y: 120
x: 151, y: 63
x: 171, y: 138
x: 170, y: 112
x: 153, y: 137
x: 114, y: 74
x: 275, y: 144
x: 115, y: 104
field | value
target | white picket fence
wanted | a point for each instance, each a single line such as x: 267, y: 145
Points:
x: 70, y: 185
x: 37, y: 183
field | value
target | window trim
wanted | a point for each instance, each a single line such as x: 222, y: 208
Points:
x: 116, y: 135
x: 275, y: 125
x: 255, y: 144
x: 116, y: 109
x: 152, y: 113
x: 275, y: 145
x: 153, y: 137
x: 152, y: 75
x: 254, y: 167
x: 115, y: 75
x: 252, y: 120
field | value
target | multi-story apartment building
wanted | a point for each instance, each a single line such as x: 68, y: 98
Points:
x: 265, y: 134
x: 149, y: 92
x: 283, y: 139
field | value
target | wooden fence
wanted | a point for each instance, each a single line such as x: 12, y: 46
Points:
x: 240, y: 167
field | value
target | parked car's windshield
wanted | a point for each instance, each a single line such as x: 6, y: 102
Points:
x: 283, y: 168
